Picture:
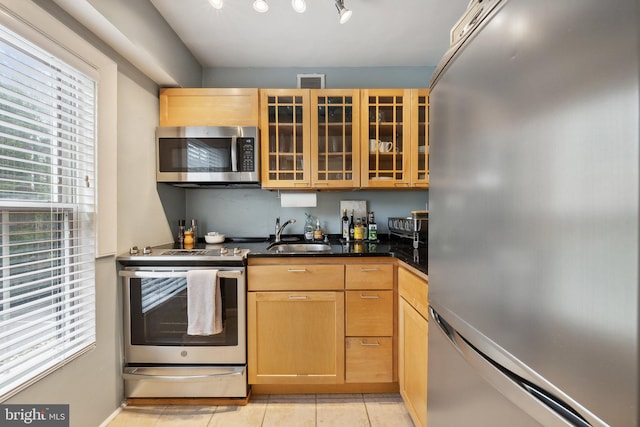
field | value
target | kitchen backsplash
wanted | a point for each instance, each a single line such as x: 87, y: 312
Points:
x: 252, y: 212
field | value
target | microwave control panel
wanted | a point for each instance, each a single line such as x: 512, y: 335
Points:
x: 247, y: 157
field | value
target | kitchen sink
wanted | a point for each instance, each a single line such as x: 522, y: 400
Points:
x: 299, y: 247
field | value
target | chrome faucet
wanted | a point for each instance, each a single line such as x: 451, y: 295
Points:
x: 280, y: 229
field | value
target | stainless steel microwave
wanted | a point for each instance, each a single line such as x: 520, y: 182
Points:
x: 208, y: 156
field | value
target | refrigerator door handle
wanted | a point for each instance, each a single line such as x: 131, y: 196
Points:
x: 512, y: 385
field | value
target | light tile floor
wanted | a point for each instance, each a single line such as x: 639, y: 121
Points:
x: 327, y: 410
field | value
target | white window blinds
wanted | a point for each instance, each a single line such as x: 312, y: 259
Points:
x: 47, y: 139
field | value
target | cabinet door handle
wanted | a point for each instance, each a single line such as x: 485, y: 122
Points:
x: 368, y: 270
x: 304, y: 270
x: 370, y: 344
x: 294, y: 297
x: 369, y: 296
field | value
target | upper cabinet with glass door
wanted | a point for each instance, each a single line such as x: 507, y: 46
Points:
x: 335, y: 138
x: 285, y: 138
x: 420, y: 138
x: 386, y: 123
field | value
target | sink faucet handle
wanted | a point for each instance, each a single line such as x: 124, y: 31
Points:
x: 277, y: 224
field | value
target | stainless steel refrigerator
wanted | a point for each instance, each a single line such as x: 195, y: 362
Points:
x: 534, y: 221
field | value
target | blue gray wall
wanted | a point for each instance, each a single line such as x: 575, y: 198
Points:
x: 252, y: 213
x: 343, y: 77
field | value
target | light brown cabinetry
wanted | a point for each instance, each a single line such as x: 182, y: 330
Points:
x: 369, y: 323
x: 385, y: 124
x: 208, y: 107
x: 395, y: 143
x: 420, y: 138
x: 310, y: 138
x: 413, y: 331
x: 322, y: 324
x: 295, y: 316
x: 335, y: 138
x: 297, y: 337
x: 285, y: 136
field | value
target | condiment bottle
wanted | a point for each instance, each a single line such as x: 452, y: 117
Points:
x: 345, y: 225
x: 188, y: 239
x: 317, y: 233
x: 373, y: 228
x: 358, y: 231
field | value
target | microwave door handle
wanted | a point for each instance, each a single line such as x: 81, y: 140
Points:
x: 234, y: 154
x: 224, y: 274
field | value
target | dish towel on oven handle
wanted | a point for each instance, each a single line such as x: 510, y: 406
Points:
x: 204, y: 304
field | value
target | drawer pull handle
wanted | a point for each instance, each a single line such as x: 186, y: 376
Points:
x: 369, y: 270
x: 303, y: 270
x: 369, y: 296
x: 370, y: 344
x: 301, y: 297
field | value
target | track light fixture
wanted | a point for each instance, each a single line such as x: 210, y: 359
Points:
x: 345, y: 14
x: 298, y: 5
x: 260, y: 6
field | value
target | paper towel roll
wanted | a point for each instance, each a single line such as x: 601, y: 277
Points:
x: 298, y: 200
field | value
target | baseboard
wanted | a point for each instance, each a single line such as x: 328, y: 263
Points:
x: 111, y: 417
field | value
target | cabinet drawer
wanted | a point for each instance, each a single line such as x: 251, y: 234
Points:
x: 369, y: 360
x: 369, y: 276
x: 291, y: 277
x: 369, y: 313
x: 414, y: 290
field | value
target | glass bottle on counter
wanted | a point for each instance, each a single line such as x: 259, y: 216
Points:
x: 351, y: 227
x: 308, y: 227
x: 345, y: 225
x: 317, y: 233
x: 365, y: 229
x: 373, y: 228
x: 358, y: 231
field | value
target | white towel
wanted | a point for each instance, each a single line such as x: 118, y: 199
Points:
x: 204, y: 305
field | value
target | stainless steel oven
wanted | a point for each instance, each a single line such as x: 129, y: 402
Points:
x: 161, y: 359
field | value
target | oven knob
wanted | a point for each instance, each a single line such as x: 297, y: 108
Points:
x: 134, y: 250
x: 223, y: 250
x: 183, y: 353
x: 237, y: 251
x: 146, y: 250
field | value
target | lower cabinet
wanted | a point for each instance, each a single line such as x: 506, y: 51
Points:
x: 369, y: 360
x: 328, y: 323
x: 413, y: 332
x: 298, y: 337
x: 369, y: 323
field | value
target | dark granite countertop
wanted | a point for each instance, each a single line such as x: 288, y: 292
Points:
x: 401, y: 249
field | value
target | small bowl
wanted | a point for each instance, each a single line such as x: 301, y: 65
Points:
x: 212, y: 238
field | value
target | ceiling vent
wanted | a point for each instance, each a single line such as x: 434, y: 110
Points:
x: 310, y: 81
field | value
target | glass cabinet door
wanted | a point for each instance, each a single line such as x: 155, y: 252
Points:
x: 387, y: 147
x: 335, y: 138
x: 420, y: 138
x: 285, y: 138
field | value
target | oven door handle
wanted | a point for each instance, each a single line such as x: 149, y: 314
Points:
x: 134, y: 376
x: 225, y: 274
